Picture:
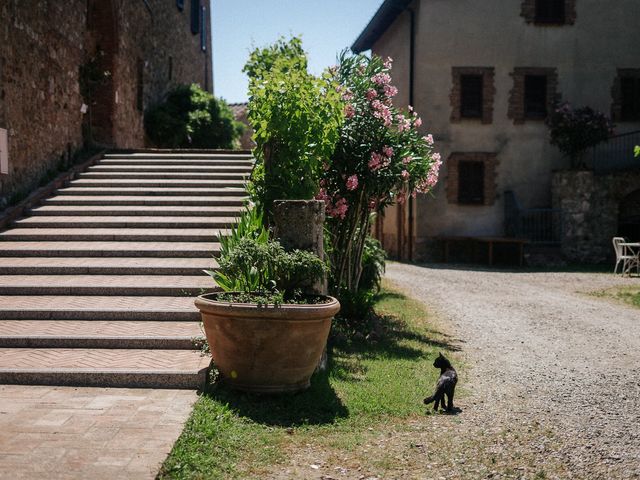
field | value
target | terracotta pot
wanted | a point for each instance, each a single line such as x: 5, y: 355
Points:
x: 266, y: 349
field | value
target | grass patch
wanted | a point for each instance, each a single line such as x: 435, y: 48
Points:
x: 628, y: 295
x: 367, y: 386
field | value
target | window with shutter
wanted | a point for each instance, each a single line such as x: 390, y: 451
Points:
x: 535, y: 97
x: 470, y: 182
x: 550, y: 11
x: 195, y: 16
x: 471, y: 96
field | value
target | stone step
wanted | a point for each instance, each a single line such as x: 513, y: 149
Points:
x: 168, y: 168
x: 112, y: 234
x: 125, y: 222
x: 102, y: 285
x: 163, y: 183
x: 105, y: 266
x: 110, y: 249
x: 215, y: 162
x: 136, y: 210
x: 150, y: 191
x: 87, y: 307
x: 163, y: 175
x: 240, y: 156
x: 100, y: 334
x: 103, y: 367
x: 108, y: 200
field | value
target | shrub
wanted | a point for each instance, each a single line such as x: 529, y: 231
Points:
x: 295, y: 116
x: 380, y: 158
x: 573, y: 131
x: 373, y: 265
x: 192, y: 118
x: 266, y: 269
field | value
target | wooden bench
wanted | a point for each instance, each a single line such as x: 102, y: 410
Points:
x: 488, y: 241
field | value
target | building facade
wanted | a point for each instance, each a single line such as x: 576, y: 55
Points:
x: 484, y: 76
x: 86, y: 70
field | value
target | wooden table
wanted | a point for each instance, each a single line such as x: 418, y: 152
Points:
x: 489, y: 241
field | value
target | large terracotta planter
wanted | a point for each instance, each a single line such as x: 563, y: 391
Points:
x: 266, y: 349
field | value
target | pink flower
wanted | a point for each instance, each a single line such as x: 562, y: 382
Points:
x: 382, y: 112
x: 352, y: 182
x: 418, y: 122
x: 410, y: 108
x: 347, y: 96
x: 403, y: 123
x: 390, y: 91
x: 401, y: 198
x: 376, y: 161
x: 429, y: 139
x: 405, y: 175
x: 388, y: 63
x: 339, y: 210
x: 436, y: 157
x: 349, y: 111
x: 381, y: 79
x: 406, y: 160
x: 322, y: 195
x: 371, y: 94
x: 388, y: 151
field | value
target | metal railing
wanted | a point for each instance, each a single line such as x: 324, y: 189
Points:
x: 542, y: 226
x: 615, y: 155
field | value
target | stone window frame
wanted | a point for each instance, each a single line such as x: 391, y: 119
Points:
x: 616, y: 92
x: 528, y: 11
x: 516, y: 111
x: 488, y: 93
x: 490, y: 161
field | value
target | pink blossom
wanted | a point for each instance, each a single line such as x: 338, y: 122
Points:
x: 376, y: 161
x: 418, y: 122
x: 390, y: 91
x: 371, y: 94
x: 432, y: 175
x: 382, y: 111
x: 401, y: 198
x: 388, y: 151
x: 403, y: 123
x: 406, y: 160
x: 436, y: 157
x: 381, y: 78
x: 340, y: 209
x: 410, y: 108
x: 429, y: 139
x: 347, y: 96
x: 322, y: 195
x: 388, y: 63
x: 352, y: 182
x: 405, y: 175
x: 349, y: 111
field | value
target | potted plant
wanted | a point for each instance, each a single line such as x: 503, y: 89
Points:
x: 268, y: 335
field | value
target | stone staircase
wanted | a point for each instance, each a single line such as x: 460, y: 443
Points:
x: 97, y: 284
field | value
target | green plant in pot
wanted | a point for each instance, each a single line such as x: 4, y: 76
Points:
x: 268, y: 335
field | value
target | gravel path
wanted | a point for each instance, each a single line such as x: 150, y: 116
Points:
x: 553, y: 374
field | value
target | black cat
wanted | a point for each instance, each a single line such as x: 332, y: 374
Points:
x: 446, y: 384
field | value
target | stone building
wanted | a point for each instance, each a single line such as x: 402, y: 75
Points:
x: 484, y: 75
x: 79, y: 70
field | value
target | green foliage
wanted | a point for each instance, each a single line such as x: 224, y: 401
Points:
x: 250, y: 226
x: 373, y: 265
x: 575, y: 130
x: 295, y: 116
x: 192, y: 118
x: 637, y: 151
x: 267, y: 267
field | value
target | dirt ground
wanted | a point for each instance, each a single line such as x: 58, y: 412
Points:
x: 550, y: 388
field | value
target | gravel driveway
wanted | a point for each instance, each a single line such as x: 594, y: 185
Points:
x: 552, y: 377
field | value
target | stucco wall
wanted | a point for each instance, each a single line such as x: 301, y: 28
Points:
x: 492, y: 33
x: 42, y: 45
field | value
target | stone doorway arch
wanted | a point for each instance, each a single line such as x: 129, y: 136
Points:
x: 97, y: 73
x: 629, y: 216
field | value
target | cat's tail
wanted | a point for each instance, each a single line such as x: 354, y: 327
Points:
x: 429, y: 400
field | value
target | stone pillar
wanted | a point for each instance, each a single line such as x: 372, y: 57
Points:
x: 299, y: 224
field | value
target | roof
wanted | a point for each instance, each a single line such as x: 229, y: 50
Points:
x: 381, y: 21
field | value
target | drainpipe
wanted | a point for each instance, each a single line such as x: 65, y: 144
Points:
x: 412, y: 57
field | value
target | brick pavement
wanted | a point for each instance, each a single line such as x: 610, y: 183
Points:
x: 88, y: 433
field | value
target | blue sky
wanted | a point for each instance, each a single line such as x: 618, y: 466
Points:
x: 326, y: 26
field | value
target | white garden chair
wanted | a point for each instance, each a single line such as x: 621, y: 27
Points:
x: 626, y: 256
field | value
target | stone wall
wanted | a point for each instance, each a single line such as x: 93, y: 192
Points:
x: 42, y: 46
x: 590, y: 207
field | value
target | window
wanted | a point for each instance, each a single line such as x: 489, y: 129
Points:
x: 203, y: 29
x: 470, y: 182
x: 550, y: 11
x: 630, y: 99
x: 471, y: 178
x: 533, y: 94
x: 180, y: 4
x: 535, y: 97
x: 195, y: 16
x: 471, y: 96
